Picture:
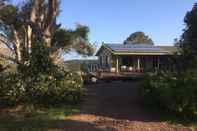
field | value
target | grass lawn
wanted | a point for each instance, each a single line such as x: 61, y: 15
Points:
x: 32, y: 119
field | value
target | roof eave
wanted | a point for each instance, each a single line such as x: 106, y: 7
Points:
x: 141, y: 53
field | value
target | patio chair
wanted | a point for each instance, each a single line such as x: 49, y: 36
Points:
x: 113, y: 69
x: 130, y: 68
x: 123, y: 68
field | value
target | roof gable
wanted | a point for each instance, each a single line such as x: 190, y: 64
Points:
x: 103, y: 47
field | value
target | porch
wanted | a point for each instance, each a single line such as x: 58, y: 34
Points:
x: 134, y: 64
x: 120, y: 75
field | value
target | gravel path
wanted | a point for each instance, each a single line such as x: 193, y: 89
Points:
x: 116, y: 106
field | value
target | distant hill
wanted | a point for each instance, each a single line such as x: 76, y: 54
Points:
x: 79, y: 65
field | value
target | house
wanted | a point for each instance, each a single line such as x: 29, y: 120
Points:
x: 133, y: 57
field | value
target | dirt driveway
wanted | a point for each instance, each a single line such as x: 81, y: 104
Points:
x: 116, y: 106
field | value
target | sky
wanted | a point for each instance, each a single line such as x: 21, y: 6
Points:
x: 112, y: 21
x: 115, y: 20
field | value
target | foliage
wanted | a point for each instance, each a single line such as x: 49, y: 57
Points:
x: 171, y: 92
x: 37, y: 43
x: 188, y: 40
x: 65, y: 88
x: 22, y: 27
x: 138, y: 38
x: 11, y: 89
x: 176, y: 90
x: 77, y: 39
x: 40, y: 89
x: 39, y: 81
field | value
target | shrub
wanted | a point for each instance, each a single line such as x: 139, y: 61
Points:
x: 12, y: 89
x: 60, y: 87
x: 55, y: 89
x: 171, y: 92
x: 37, y: 80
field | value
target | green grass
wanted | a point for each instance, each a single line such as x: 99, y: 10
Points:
x: 32, y: 119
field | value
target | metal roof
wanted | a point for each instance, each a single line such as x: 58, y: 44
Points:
x: 135, y: 48
x: 139, y: 48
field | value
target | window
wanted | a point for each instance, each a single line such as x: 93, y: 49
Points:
x: 101, y: 61
x: 106, y: 60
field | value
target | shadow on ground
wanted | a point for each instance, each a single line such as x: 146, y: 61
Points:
x: 118, y: 100
x: 44, y: 125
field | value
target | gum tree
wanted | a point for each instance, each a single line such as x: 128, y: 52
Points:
x: 24, y: 28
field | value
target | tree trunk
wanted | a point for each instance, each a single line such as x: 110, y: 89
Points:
x: 33, y: 21
x: 18, y: 46
x: 50, y: 21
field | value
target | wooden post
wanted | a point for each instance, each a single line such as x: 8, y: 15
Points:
x: 90, y: 67
x: 158, y: 62
x: 138, y: 64
x: 117, y: 65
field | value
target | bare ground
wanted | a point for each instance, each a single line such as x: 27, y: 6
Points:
x: 116, y: 106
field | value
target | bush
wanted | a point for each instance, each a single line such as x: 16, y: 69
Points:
x: 61, y: 87
x: 171, y: 92
x: 37, y: 80
x: 53, y: 90
x: 12, y: 89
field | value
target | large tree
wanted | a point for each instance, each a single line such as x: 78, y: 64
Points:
x: 23, y: 28
x: 138, y: 38
x: 188, y: 42
x: 31, y: 38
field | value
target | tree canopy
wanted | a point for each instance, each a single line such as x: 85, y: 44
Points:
x: 188, y: 41
x: 34, y: 23
x: 138, y: 38
x: 31, y: 38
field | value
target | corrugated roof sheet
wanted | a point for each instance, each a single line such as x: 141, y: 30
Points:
x: 140, y: 48
x: 135, y: 48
